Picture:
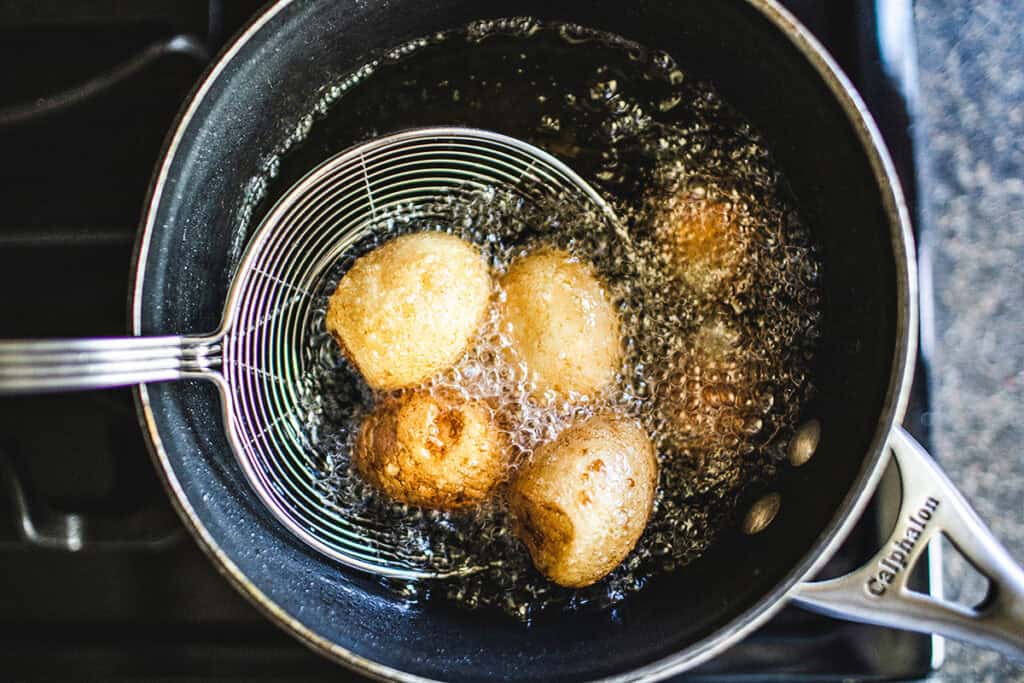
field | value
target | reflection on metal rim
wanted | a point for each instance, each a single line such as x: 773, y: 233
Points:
x: 851, y: 507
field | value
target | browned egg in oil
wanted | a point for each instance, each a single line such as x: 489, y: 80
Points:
x: 562, y: 323
x: 583, y: 500
x: 706, y: 241
x: 410, y: 308
x: 716, y: 403
x: 440, y: 452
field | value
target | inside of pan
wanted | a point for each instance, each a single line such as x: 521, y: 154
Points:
x: 258, y: 100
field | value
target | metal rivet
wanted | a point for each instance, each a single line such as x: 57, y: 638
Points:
x: 804, y: 443
x: 761, y: 514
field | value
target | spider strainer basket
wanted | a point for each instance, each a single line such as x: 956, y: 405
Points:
x: 271, y: 303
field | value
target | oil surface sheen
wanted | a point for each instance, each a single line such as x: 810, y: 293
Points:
x: 714, y: 277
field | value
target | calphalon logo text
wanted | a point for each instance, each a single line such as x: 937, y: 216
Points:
x: 896, y: 561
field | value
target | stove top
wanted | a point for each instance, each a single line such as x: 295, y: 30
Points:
x: 102, y: 581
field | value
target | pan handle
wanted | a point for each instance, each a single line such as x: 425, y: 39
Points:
x: 877, y: 593
x: 52, y: 365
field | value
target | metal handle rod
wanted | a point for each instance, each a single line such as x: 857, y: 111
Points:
x: 877, y: 593
x: 53, y: 365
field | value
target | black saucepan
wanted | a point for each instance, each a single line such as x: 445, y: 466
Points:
x: 773, y: 72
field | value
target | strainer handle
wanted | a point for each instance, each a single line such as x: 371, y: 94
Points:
x: 53, y: 365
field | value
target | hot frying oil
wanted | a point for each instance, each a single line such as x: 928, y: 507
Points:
x: 714, y: 277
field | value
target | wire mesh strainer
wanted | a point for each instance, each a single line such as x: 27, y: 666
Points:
x: 257, y: 356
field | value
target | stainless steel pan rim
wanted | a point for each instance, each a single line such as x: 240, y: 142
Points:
x: 851, y: 507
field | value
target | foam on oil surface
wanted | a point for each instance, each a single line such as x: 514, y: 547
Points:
x: 717, y: 345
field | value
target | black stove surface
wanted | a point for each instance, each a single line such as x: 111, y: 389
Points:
x: 101, y: 580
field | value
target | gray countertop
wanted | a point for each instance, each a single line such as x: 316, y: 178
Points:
x: 970, y: 145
